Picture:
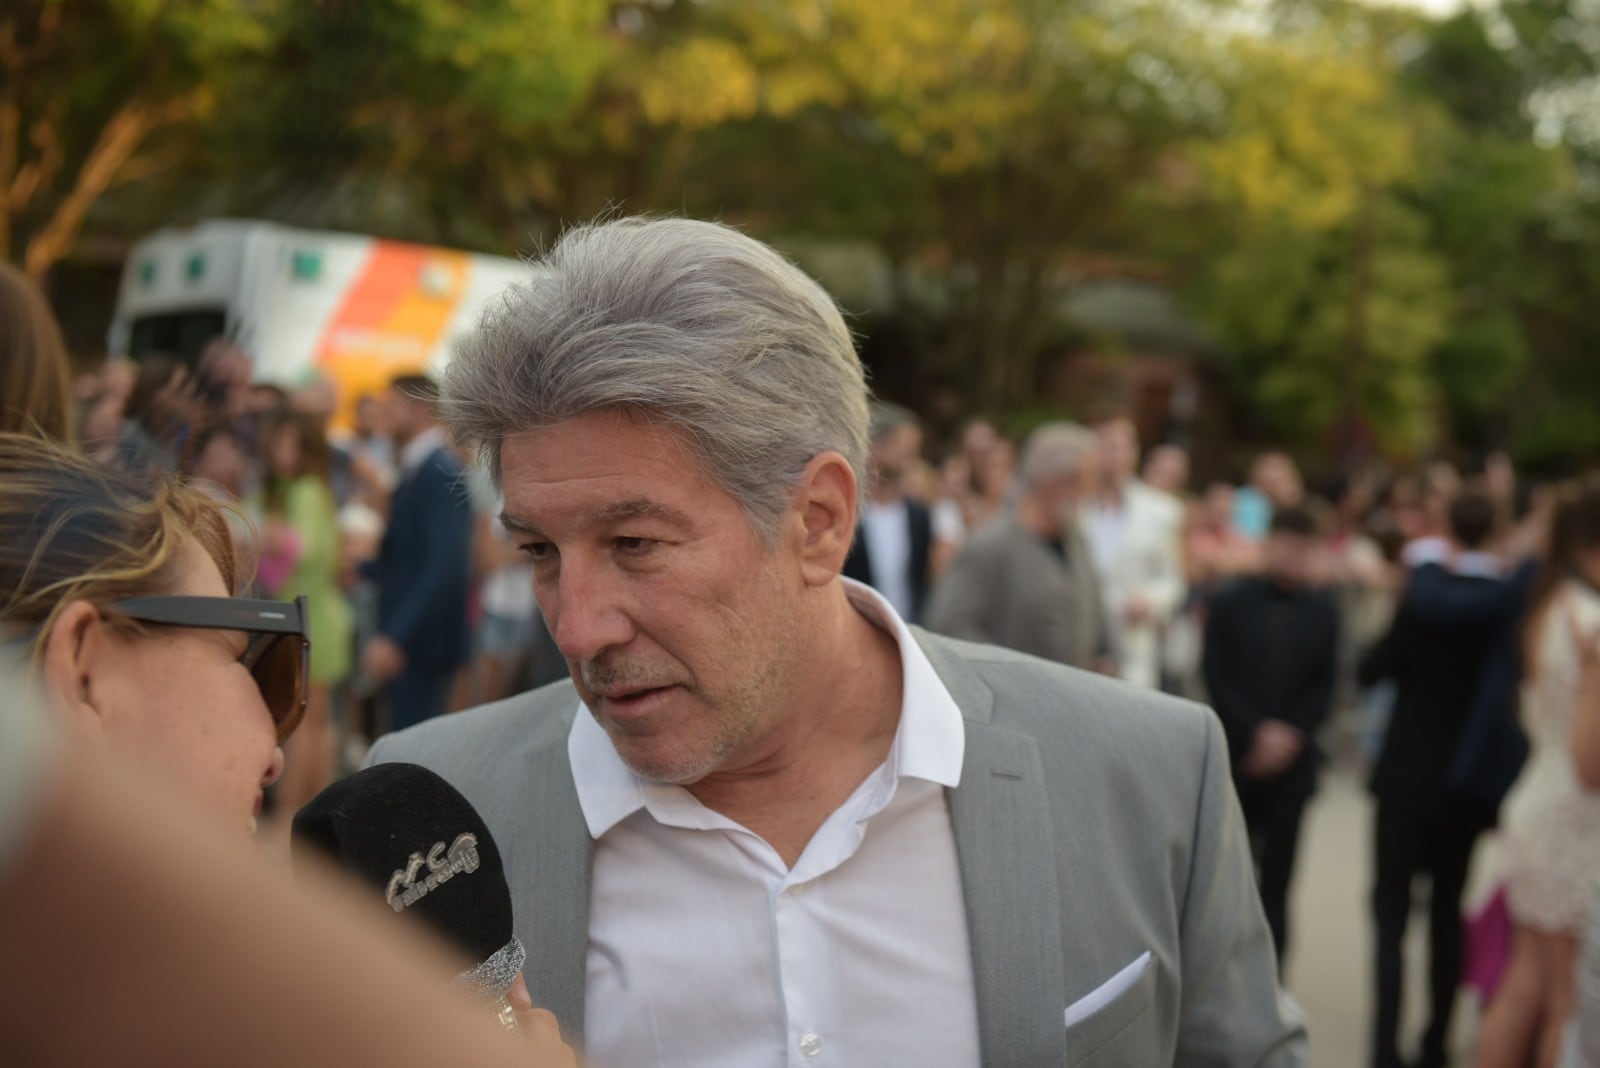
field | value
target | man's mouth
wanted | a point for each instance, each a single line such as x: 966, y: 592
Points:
x: 635, y: 701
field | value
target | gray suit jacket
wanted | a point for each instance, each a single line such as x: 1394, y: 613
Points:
x: 1008, y: 587
x: 1093, y: 823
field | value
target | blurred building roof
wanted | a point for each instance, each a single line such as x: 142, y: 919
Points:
x: 1134, y: 310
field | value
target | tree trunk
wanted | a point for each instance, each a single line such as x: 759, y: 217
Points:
x: 119, y: 139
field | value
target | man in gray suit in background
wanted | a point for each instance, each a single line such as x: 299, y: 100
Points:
x: 767, y: 822
x: 1027, y: 580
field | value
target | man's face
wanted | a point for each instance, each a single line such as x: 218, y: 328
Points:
x: 897, y: 453
x: 1168, y: 470
x: 1119, y: 449
x: 676, y: 619
x: 1290, y: 559
x: 403, y: 417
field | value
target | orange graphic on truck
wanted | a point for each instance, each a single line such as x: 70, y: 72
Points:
x: 392, y: 317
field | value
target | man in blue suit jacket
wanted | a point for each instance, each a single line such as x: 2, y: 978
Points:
x: 424, y: 565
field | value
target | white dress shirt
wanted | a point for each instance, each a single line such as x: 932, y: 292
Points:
x: 419, y: 448
x: 705, y: 951
x: 887, y: 529
x: 1105, y: 525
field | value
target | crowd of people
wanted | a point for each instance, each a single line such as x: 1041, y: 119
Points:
x: 1443, y: 627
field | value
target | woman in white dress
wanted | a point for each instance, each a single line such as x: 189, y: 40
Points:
x: 1551, y: 822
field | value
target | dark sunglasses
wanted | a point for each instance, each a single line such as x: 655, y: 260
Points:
x: 279, y: 653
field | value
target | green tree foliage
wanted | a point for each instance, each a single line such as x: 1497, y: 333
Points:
x: 97, y: 93
x: 1388, y: 221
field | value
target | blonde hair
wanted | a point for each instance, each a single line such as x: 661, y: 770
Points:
x: 35, y: 374
x: 73, y: 529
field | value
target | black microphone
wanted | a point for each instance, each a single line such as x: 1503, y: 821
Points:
x: 403, y: 830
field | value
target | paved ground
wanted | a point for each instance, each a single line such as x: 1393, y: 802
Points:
x: 1330, y: 968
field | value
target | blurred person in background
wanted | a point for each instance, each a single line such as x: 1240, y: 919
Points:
x: 1167, y: 469
x: 300, y: 556
x: 1216, y: 552
x: 1027, y: 581
x: 1551, y: 827
x: 160, y: 413
x: 949, y: 511
x: 1271, y: 648
x: 512, y: 648
x: 988, y: 462
x: 1430, y: 816
x: 1365, y: 583
x: 35, y: 374
x: 1583, y: 1040
x: 118, y: 593
x: 1275, y: 483
x: 372, y: 461
x: 318, y: 399
x: 1427, y: 517
x: 994, y: 479
x: 367, y: 437
x: 978, y: 437
x: 1136, y: 536
x: 423, y: 571
x: 220, y: 465
x: 223, y: 470
x: 894, y: 539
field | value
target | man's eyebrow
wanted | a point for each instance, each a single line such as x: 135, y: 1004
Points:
x: 512, y: 523
x: 610, y: 515
x: 638, y: 508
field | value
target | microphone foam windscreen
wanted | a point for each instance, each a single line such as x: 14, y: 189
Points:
x: 410, y: 834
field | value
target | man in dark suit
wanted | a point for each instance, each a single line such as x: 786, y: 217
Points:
x: 1270, y: 653
x: 1429, y: 819
x: 424, y: 565
x: 895, y: 537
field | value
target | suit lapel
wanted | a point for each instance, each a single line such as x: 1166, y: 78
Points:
x: 1007, y: 849
x: 553, y: 876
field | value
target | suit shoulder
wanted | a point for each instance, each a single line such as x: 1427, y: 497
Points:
x: 1052, y: 701
x: 535, y: 720
x: 998, y: 535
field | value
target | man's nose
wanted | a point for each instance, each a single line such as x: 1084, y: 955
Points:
x: 588, y: 617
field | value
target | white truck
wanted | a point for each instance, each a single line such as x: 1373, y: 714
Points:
x: 353, y: 309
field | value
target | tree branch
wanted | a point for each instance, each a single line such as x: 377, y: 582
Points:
x: 118, y: 141
x: 40, y: 171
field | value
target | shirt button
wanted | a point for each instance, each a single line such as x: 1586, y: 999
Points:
x: 811, y: 1045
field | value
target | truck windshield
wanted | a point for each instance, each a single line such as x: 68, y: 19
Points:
x: 183, y: 334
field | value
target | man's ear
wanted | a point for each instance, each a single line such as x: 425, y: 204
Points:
x: 74, y: 649
x: 826, y: 505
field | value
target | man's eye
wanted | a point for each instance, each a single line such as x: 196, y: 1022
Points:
x: 635, y: 546
x: 537, y: 550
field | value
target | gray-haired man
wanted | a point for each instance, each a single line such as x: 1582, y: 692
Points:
x: 1027, y: 580
x: 767, y: 822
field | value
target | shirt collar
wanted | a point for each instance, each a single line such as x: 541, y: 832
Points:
x: 419, y: 448
x: 1428, y: 550
x: 930, y: 742
x: 1476, y: 565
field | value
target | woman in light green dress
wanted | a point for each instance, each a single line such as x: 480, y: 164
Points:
x: 300, y: 555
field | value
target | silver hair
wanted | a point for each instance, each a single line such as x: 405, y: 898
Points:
x: 690, y: 323
x: 1053, y: 450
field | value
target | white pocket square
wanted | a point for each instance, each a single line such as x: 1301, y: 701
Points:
x: 1108, y: 991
